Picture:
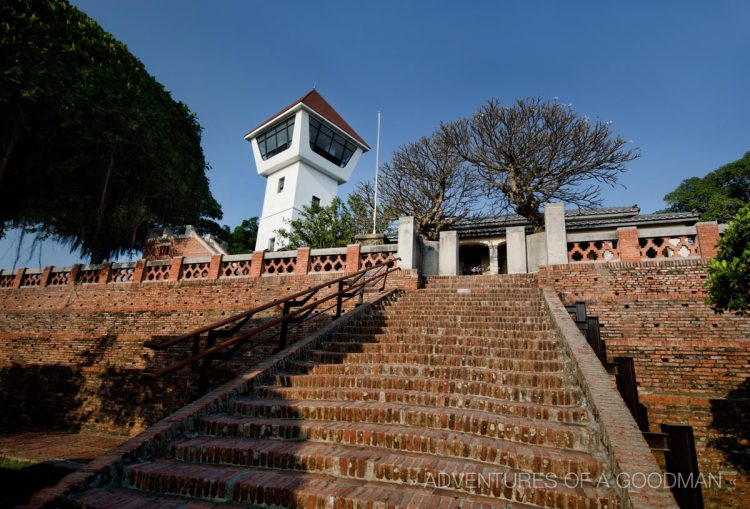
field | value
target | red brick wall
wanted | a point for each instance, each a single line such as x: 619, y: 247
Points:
x: 692, y: 365
x: 71, y: 356
x: 180, y: 246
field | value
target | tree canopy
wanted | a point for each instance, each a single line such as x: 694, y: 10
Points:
x: 718, y: 196
x: 534, y: 152
x: 93, y: 150
x: 729, y: 272
x: 429, y: 180
x: 319, y: 227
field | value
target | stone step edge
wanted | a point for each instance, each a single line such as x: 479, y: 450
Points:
x: 107, y: 468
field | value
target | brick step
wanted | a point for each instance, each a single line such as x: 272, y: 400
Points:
x: 447, y: 340
x: 326, y: 357
x: 122, y: 498
x: 513, y: 429
x: 537, y: 459
x: 572, y: 414
x: 347, y: 462
x: 451, y: 298
x: 462, y: 373
x: 453, y: 320
x: 465, y: 331
x: 287, y: 489
x: 567, y: 396
x: 482, y: 305
x: 422, y: 348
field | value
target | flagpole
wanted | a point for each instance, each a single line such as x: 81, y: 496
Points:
x: 377, y: 165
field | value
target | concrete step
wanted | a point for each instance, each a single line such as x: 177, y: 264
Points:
x: 513, y: 429
x: 441, y: 443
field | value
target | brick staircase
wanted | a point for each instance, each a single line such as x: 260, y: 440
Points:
x: 456, y: 395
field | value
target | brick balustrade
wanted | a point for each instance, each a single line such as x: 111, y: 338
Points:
x: 260, y: 263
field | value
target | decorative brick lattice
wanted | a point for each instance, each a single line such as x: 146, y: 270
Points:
x: 368, y: 260
x: 156, y: 273
x: 328, y: 263
x: 121, y: 275
x: 59, y: 278
x: 195, y: 270
x: 599, y: 250
x: 235, y: 269
x: 31, y: 280
x: 668, y: 247
x: 87, y: 277
x: 279, y: 265
x: 6, y: 280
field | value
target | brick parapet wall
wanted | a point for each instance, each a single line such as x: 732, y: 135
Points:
x: 692, y: 365
x: 186, y: 268
x: 71, y: 356
x: 628, y: 452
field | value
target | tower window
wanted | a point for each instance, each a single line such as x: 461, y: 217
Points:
x: 271, y: 243
x: 329, y: 144
x: 276, y: 139
x: 281, y: 185
x: 315, y: 201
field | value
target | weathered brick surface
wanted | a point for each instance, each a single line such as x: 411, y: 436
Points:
x: 361, y: 416
x: 692, y: 365
x: 71, y: 356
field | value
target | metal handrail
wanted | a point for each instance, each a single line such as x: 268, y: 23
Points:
x: 349, y: 286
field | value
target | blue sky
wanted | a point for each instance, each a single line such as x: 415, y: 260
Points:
x: 674, y: 77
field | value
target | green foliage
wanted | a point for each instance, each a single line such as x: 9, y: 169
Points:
x: 361, y: 202
x: 243, y: 237
x: 717, y: 196
x: 93, y: 150
x: 320, y: 227
x: 729, y: 272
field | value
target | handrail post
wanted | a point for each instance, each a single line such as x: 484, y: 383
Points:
x: 284, y: 326
x: 339, y: 299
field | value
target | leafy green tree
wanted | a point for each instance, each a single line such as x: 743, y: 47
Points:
x: 243, y: 237
x: 729, y: 272
x: 320, y: 227
x: 717, y: 196
x: 93, y: 150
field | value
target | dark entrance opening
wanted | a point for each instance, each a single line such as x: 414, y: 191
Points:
x: 474, y: 259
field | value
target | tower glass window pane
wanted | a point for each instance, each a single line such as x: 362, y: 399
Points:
x: 329, y: 144
x: 276, y: 138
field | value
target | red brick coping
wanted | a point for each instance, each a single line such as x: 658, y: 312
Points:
x: 154, y: 441
x: 626, y: 448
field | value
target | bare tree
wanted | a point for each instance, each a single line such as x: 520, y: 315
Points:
x: 535, y: 152
x: 429, y: 180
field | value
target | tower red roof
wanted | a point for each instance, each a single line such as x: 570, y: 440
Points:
x: 315, y: 102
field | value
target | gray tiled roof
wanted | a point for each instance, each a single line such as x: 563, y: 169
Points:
x: 605, y: 217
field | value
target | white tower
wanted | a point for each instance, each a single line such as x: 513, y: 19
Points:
x: 305, y: 152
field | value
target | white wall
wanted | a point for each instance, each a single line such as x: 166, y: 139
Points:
x: 306, y: 174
